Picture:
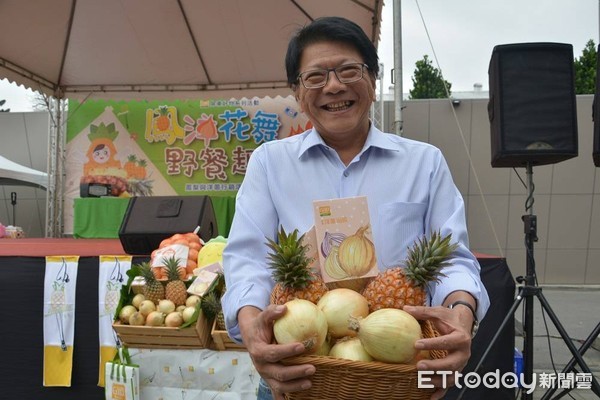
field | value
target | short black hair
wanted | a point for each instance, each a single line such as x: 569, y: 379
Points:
x: 329, y: 29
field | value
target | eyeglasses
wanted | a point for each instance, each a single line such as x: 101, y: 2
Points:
x: 318, y: 78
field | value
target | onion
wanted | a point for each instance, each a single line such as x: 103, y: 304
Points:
x: 192, y: 300
x: 137, y: 318
x: 174, y: 319
x: 332, y: 265
x: 147, y: 306
x: 388, y: 335
x: 165, y: 306
x: 329, y: 241
x: 188, y: 313
x: 137, y: 300
x: 155, y: 318
x: 324, y: 349
x: 339, y: 305
x: 303, y: 322
x: 125, y: 313
x: 356, y: 254
x: 180, y: 308
x: 350, y: 349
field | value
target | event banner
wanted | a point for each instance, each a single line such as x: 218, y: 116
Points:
x: 161, y: 148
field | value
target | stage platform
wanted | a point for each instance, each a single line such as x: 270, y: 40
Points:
x: 29, y: 247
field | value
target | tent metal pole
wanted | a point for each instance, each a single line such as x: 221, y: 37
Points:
x: 398, y: 122
x: 55, y: 190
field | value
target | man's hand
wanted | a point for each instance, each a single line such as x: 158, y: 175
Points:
x: 454, y: 327
x: 257, y: 334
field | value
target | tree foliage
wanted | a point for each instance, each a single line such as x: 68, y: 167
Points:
x: 3, y: 109
x: 428, y: 82
x: 585, y: 70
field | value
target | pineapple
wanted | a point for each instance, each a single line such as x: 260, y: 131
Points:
x: 397, y: 287
x: 153, y: 289
x: 211, y: 307
x: 293, y: 278
x: 211, y: 302
x: 176, y: 291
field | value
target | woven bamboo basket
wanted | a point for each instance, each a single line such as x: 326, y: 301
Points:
x: 337, y: 379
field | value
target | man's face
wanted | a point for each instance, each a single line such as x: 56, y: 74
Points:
x: 338, y: 111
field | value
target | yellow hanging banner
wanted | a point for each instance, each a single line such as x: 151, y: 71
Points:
x: 59, y: 319
x: 112, y: 275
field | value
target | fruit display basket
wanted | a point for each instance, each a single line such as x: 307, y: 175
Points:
x: 344, y: 379
x: 161, y: 337
x: 222, y: 341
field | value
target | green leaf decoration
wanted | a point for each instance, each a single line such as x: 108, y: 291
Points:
x: 103, y: 131
x: 126, y: 296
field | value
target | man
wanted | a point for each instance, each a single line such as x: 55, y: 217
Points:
x: 331, y: 67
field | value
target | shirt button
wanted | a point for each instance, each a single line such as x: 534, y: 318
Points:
x: 346, y: 174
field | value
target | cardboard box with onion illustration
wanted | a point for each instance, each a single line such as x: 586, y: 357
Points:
x: 344, y: 242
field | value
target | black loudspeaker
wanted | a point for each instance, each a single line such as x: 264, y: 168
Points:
x: 150, y: 220
x: 532, y: 107
x: 596, y: 113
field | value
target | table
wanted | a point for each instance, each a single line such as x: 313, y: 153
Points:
x: 101, y: 217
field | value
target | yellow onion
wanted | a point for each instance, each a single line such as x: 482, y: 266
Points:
x: 388, y: 335
x: 303, y: 322
x: 356, y: 254
x: 339, y: 305
x: 155, y: 318
x: 324, y: 349
x: 350, y: 349
x: 174, y: 319
x: 332, y: 266
x: 125, y: 313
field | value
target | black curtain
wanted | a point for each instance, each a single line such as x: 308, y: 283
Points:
x: 500, y: 285
x: 22, y: 331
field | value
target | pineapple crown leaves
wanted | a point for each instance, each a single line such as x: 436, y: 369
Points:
x: 145, y: 270
x: 428, y: 257
x: 103, y: 131
x: 172, y: 266
x: 288, y: 260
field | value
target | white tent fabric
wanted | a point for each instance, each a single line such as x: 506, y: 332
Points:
x: 154, y: 49
x: 12, y: 173
x: 160, y: 49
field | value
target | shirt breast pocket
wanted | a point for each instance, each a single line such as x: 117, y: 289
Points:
x: 399, y: 225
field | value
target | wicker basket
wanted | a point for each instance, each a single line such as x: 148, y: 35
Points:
x: 343, y: 379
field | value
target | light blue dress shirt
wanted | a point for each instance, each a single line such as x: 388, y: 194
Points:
x: 410, y: 193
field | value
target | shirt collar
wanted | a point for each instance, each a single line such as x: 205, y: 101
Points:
x: 375, y: 138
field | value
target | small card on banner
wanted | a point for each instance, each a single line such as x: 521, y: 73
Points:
x: 59, y: 319
x: 112, y: 275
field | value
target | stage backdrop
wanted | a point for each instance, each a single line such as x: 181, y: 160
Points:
x: 170, y: 148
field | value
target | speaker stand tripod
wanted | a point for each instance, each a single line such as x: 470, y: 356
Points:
x: 527, y: 291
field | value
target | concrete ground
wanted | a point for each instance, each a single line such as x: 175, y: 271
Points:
x: 578, y: 310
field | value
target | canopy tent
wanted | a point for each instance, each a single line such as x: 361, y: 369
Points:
x: 12, y: 173
x: 153, y: 49
x: 157, y: 49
